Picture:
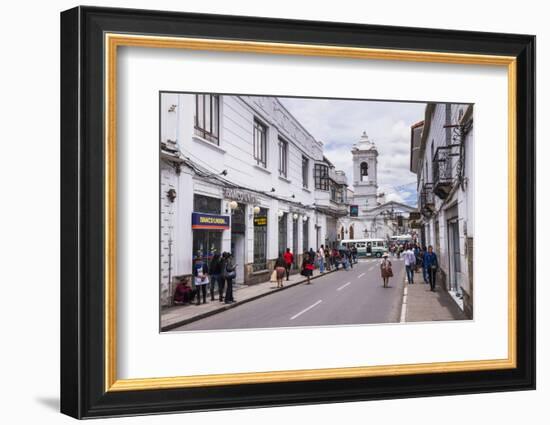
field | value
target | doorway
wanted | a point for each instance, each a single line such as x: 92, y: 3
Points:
x: 238, y: 229
x: 454, y: 256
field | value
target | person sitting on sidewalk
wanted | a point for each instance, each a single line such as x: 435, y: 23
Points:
x: 184, y: 294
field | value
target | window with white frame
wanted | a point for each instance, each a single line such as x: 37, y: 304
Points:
x: 260, y: 143
x: 305, y: 171
x: 283, y: 157
x: 207, y: 117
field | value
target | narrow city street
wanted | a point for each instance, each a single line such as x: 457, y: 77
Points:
x: 355, y: 296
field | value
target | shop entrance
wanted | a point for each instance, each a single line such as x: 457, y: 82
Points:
x: 238, y: 230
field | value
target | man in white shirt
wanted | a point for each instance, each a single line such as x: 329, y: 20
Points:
x: 410, y: 261
x: 322, y: 259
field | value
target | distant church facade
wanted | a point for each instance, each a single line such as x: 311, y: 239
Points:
x: 370, y: 216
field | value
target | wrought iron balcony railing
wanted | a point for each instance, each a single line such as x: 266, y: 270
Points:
x: 427, y: 200
x: 444, y: 170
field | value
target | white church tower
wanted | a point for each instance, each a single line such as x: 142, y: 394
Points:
x: 365, y: 164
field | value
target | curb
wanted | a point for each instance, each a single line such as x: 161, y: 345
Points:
x: 236, y: 304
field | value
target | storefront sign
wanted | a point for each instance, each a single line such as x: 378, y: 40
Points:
x: 354, y: 210
x: 210, y: 221
x: 414, y: 215
x: 240, y: 196
x: 260, y: 221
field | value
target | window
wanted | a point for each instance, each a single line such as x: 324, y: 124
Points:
x: 260, y: 241
x: 260, y: 143
x: 207, y: 111
x: 321, y: 177
x: 364, y: 171
x: 283, y: 232
x: 305, y: 236
x: 305, y: 172
x: 283, y: 157
x: 206, y: 204
x: 332, y: 192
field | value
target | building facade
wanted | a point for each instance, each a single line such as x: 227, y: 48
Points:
x: 241, y: 174
x: 370, y: 216
x: 442, y: 158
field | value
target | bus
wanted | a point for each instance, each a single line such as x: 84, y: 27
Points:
x: 367, y: 247
x: 401, y: 239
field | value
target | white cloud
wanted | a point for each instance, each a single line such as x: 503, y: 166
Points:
x: 340, y: 123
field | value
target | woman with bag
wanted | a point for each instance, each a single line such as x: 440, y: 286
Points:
x: 386, y: 270
x: 200, y: 278
x: 279, y: 270
x: 230, y: 274
x: 307, y: 267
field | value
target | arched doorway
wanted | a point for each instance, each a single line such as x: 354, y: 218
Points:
x: 351, y: 233
x: 342, y: 233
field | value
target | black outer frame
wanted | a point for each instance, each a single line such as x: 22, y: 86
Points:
x: 82, y: 207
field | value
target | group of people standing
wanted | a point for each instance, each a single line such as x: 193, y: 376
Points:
x: 417, y: 259
x: 325, y: 259
x: 219, y: 273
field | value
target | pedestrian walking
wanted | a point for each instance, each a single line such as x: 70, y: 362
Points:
x: 200, y: 275
x: 424, y: 269
x: 431, y: 264
x: 345, y: 259
x: 321, y: 255
x: 288, y: 257
x: 386, y: 270
x: 336, y: 258
x: 216, y: 268
x: 354, y: 253
x: 312, y: 256
x: 230, y: 274
x: 280, y: 269
x: 307, y: 267
x: 328, y: 261
x: 350, y: 257
x: 417, y: 264
x: 410, y: 262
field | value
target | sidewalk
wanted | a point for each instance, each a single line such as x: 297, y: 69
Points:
x: 423, y: 305
x: 175, y: 316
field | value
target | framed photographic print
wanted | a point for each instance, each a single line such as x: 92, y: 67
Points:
x: 261, y: 212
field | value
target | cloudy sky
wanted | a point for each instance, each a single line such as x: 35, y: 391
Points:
x: 340, y: 123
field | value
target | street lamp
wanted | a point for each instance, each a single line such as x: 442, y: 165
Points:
x: 295, y: 216
x: 256, y: 210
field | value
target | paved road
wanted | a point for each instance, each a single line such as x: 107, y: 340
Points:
x: 343, y: 297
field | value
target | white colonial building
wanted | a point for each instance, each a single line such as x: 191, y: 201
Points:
x: 241, y: 174
x: 370, y: 215
x: 442, y: 158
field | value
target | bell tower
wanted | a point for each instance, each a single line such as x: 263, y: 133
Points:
x: 365, y: 165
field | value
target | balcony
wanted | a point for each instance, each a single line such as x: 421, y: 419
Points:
x: 427, y: 200
x: 444, y: 170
